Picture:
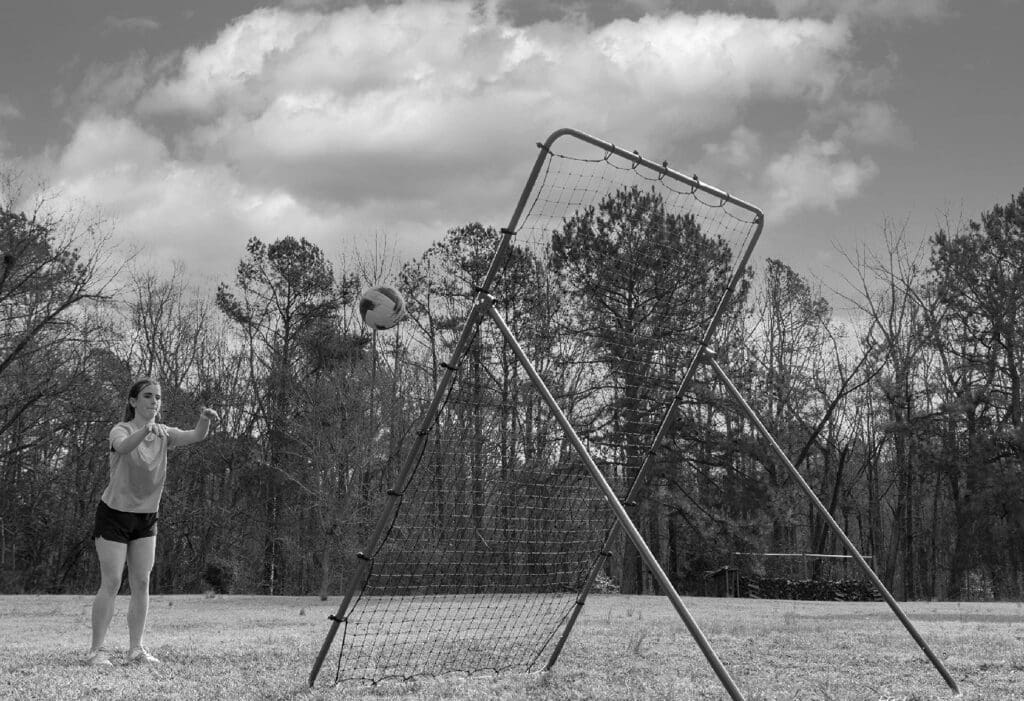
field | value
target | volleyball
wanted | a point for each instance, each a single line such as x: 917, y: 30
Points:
x: 381, y: 308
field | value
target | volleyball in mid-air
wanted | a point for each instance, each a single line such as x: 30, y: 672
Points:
x: 381, y: 307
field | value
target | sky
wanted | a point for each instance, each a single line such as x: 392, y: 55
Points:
x: 191, y: 126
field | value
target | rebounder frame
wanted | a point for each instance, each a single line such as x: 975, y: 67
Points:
x: 484, y: 307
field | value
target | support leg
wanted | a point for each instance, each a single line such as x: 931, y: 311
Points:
x: 836, y: 528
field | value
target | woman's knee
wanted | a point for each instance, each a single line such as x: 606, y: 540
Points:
x: 138, y: 575
x: 138, y: 581
x: 109, y: 586
x: 141, y: 554
x: 112, y: 560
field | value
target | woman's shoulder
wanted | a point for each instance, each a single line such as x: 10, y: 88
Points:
x: 120, y: 431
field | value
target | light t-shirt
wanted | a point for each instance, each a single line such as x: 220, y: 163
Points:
x: 137, y: 478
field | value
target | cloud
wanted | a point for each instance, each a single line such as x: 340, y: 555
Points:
x: 111, y: 87
x: 8, y: 110
x: 325, y: 105
x: 410, y: 118
x: 814, y: 175
x: 741, y: 151
x: 171, y: 209
x: 870, y: 122
x: 130, y: 24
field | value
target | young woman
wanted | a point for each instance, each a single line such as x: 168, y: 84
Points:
x: 126, y: 517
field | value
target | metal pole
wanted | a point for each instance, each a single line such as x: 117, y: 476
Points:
x: 613, y: 501
x: 836, y: 528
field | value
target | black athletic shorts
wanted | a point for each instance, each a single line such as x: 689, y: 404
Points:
x: 122, y: 526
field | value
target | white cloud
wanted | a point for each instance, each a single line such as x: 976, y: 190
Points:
x: 439, y: 90
x: 130, y: 24
x: 741, y: 151
x: 412, y: 118
x: 814, y: 175
x: 112, y: 87
x: 8, y: 110
x: 222, y: 75
x: 172, y: 210
x: 161, y: 205
x: 871, y: 122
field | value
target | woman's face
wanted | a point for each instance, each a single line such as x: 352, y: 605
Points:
x: 147, y: 404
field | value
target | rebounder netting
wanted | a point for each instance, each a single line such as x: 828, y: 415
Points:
x: 612, y: 275
x: 495, y: 535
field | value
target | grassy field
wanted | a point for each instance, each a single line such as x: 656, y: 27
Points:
x: 242, y: 647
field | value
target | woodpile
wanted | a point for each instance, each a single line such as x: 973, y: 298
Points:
x: 808, y: 589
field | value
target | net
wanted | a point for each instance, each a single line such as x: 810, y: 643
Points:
x: 611, y: 276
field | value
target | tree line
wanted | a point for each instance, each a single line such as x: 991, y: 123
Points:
x: 903, y: 410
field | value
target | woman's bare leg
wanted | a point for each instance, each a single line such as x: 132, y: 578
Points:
x: 112, y: 557
x: 141, y: 554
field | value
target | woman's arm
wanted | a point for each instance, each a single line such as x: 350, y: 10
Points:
x: 177, y: 437
x: 130, y: 441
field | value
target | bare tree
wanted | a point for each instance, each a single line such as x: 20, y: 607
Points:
x: 56, y: 277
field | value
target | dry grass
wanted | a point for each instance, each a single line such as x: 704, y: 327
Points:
x: 623, y: 648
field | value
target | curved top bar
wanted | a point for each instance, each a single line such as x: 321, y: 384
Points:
x: 661, y: 169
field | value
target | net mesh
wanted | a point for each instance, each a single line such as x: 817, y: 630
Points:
x: 614, y: 279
